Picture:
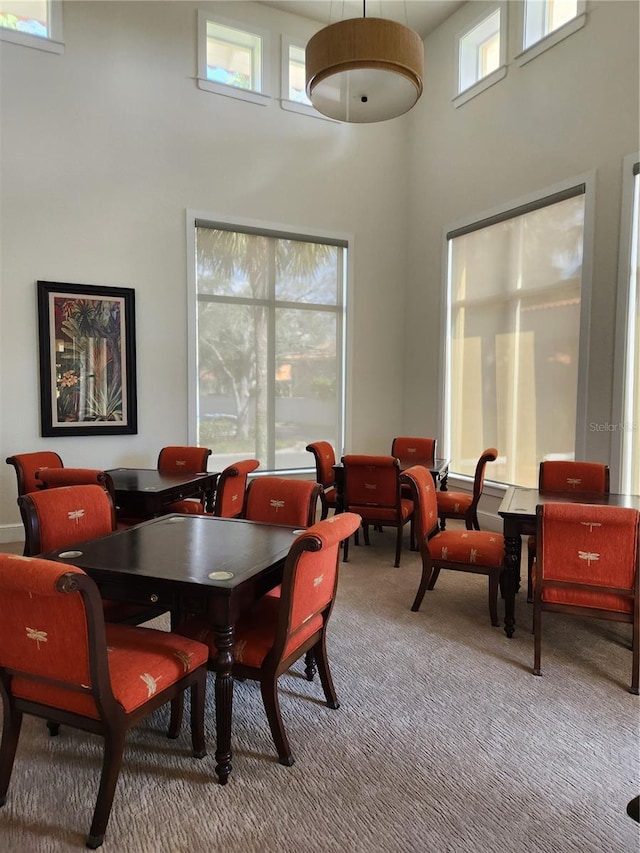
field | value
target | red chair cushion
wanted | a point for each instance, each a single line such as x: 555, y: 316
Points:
x: 141, y: 661
x: 192, y: 507
x: 458, y: 502
x: 475, y: 547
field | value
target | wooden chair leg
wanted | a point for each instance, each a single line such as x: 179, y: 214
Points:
x: 198, y: 692
x: 320, y: 653
x: 345, y: 550
x: 365, y: 533
x: 175, y: 721
x: 433, y: 578
x: 493, y: 599
x: 537, y: 638
x: 325, y: 507
x: 309, y: 665
x: 269, y: 690
x: 398, y: 546
x: 10, y: 737
x: 111, y: 763
x: 531, y: 555
x: 424, y: 580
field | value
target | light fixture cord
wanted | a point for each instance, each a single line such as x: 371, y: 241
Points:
x: 364, y: 8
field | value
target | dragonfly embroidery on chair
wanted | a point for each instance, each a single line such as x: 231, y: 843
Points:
x: 75, y: 515
x: 184, y: 658
x: 589, y: 556
x: 38, y: 636
x: 591, y: 525
x: 151, y: 682
x: 276, y: 504
x: 573, y: 481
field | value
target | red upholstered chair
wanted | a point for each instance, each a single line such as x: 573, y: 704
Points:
x: 566, y: 476
x: 281, y: 500
x: 372, y: 490
x: 185, y: 460
x: 473, y: 551
x: 587, y: 565
x: 410, y: 450
x: 463, y: 505
x: 325, y: 459
x: 279, y: 630
x: 27, y: 464
x: 59, y: 661
x: 230, y: 488
x: 67, y: 516
x: 53, y: 478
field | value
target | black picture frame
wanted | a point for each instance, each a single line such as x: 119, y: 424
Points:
x: 87, y: 347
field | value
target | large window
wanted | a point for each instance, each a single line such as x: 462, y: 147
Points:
x: 270, y: 342
x: 513, y: 334
x: 625, y: 427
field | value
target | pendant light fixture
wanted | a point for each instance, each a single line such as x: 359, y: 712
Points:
x: 364, y: 69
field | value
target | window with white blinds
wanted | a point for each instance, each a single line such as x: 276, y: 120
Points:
x: 513, y: 336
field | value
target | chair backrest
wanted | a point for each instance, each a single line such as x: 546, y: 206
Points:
x: 371, y: 481
x: 54, y: 518
x: 569, y: 476
x: 489, y: 455
x: 587, y: 555
x: 26, y: 465
x: 231, y: 486
x: 413, y: 450
x: 188, y: 460
x: 325, y: 459
x: 425, y: 503
x: 280, y: 500
x: 309, y: 580
x: 53, y: 647
x: 53, y: 478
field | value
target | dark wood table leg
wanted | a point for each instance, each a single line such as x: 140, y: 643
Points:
x: 510, y: 579
x: 444, y: 480
x: 224, y: 701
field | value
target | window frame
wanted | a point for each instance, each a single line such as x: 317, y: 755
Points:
x: 512, y: 207
x: 483, y: 83
x: 261, y: 97
x: 626, y: 338
x: 285, y: 101
x: 342, y: 309
x: 52, y: 43
x: 550, y: 39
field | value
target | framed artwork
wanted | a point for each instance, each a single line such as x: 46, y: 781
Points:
x: 87, y: 359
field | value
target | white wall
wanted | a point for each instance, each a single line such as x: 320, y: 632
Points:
x: 571, y: 110
x: 102, y: 151
x: 103, y: 148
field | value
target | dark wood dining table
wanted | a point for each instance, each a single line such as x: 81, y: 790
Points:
x: 518, y: 513
x: 145, y: 492
x: 217, y: 567
x: 438, y: 467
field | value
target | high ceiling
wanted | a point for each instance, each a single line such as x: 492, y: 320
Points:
x: 423, y: 16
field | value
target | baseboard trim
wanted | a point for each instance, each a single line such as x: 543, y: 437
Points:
x: 11, y: 533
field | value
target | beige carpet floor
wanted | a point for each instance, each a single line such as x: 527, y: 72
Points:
x: 444, y: 742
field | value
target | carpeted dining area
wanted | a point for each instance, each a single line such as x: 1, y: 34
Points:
x: 444, y: 741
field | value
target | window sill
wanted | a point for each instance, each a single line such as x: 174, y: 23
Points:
x: 551, y: 39
x: 28, y: 40
x: 233, y: 92
x: 304, y: 109
x: 480, y: 86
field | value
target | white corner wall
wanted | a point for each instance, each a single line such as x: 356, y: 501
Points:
x: 103, y: 148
